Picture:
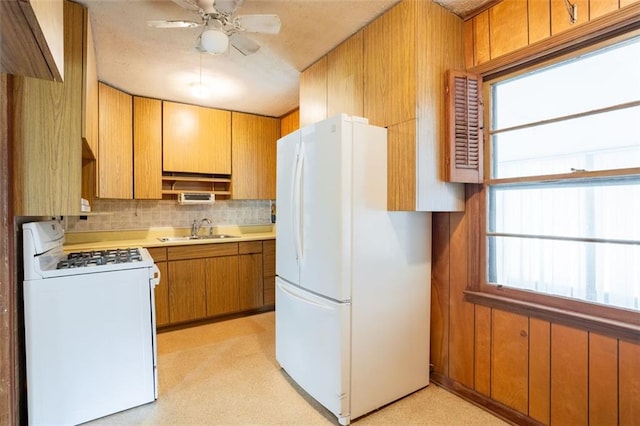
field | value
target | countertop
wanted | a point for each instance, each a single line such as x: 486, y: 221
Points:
x: 99, y: 240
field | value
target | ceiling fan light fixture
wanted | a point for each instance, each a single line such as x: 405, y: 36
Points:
x: 214, y: 42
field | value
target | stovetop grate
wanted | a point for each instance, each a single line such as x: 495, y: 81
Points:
x: 100, y: 257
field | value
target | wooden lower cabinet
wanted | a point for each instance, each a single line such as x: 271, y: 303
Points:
x: 161, y: 293
x: 222, y: 285
x: 187, y: 290
x: 207, y: 280
x: 162, y: 296
x: 269, y: 272
x: 250, y: 272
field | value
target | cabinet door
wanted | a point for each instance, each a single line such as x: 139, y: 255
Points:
x: 162, y: 296
x: 159, y: 255
x: 345, y: 79
x: 222, y: 285
x: 254, y: 156
x: 90, y: 91
x: 269, y: 272
x: 196, y: 139
x: 389, y: 66
x: 250, y: 274
x: 187, y: 291
x: 289, y: 122
x: 47, y: 140
x: 313, y: 93
x: 115, y: 151
x: 251, y: 286
x: 147, y: 148
x: 32, y: 39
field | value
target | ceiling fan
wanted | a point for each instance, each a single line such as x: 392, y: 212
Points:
x: 221, y: 27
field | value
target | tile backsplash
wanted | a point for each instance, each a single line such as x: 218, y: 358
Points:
x: 145, y: 214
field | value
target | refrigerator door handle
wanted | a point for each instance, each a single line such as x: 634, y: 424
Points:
x: 297, y: 202
x: 301, y: 297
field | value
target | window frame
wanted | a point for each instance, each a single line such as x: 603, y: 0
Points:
x: 609, y: 320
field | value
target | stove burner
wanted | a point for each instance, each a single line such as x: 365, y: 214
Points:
x: 100, y: 257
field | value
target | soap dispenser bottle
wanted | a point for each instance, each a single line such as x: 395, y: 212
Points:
x: 273, y: 212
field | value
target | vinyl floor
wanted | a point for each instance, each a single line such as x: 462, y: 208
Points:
x: 225, y: 373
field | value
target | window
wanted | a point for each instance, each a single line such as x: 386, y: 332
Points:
x: 563, y: 196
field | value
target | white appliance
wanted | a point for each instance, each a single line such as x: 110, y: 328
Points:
x: 89, y: 328
x: 353, y: 279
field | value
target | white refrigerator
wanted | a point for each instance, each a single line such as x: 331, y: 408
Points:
x: 353, y: 279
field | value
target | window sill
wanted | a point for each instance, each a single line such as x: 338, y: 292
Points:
x: 592, y: 323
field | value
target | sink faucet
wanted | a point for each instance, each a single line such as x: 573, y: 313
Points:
x: 195, y: 226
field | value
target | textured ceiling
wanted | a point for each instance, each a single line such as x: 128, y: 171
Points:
x: 162, y: 63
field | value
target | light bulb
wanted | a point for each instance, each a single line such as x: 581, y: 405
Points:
x: 214, y: 42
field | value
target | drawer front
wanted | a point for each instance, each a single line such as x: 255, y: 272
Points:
x: 248, y: 247
x: 202, y: 250
x: 159, y: 254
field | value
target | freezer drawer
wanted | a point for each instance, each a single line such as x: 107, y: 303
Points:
x: 312, y: 345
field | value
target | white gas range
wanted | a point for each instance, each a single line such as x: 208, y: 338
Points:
x: 89, y: 328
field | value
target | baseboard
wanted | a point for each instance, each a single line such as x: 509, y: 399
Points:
x: 505, y: 413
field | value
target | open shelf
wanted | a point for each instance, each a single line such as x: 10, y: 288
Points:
x: 175, y: 183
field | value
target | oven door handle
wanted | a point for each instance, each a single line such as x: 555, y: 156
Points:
x: 155, y: 276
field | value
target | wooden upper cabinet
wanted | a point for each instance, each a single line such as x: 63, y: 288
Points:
x: 406, y: 53
x: 147, y: 148
x: 345, y: 78
x: 390, y: 66
x: 254, y: 156
x: 289, y: 122
x: 392, y: 73
x: 115, y: 152
x: 32, y: 34
x: 90, y: 90
x: 196, y: 139
x: 46, y: 126
x: 313, y: 93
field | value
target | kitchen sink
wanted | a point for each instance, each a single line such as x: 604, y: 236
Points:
x: 199, y: 237
x: 217, y: 236
x: 170, y: 239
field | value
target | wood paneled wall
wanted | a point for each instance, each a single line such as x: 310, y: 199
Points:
x: 514, y: 24
x: 527, y: 369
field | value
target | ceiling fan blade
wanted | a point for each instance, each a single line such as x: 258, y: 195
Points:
x: 266, y: 24
x: 243, y: 44
x: 191, y: 5
x: 173, y: 24
x: 228, y: 7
